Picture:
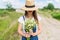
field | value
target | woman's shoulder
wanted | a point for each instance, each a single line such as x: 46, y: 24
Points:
x: 39, y: 17
x: 20, y: 19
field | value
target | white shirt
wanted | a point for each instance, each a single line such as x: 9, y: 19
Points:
x: 21, y: 20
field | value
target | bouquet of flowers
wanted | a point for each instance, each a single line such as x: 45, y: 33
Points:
x: 29, y: 24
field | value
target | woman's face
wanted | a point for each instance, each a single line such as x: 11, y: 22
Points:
x: 30, y: 12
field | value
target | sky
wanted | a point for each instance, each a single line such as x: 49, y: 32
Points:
x: 21, y: 3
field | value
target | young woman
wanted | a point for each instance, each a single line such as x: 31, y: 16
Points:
x: 30, y: 13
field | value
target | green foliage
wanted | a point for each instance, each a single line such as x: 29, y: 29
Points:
x: 56, y: 15
x: 29, y: 24
x: 50, y: 6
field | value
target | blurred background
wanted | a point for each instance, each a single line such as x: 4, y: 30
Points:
x: 49, y: 11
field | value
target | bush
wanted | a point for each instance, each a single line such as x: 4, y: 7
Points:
x: 56, y: 15
x: 3, y: 13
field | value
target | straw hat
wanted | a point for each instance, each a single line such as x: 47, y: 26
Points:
x: 30, y: 5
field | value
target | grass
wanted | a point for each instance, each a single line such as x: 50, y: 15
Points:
x: 3, y: 13
x: 11, y: 34
x: 4, y: 24
x: 8, y: 20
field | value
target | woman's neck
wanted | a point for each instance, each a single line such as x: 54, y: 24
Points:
x: 29, y: 16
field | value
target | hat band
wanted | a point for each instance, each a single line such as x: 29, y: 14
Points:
x: 30, y: 6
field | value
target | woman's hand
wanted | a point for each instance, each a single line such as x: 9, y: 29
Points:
x: 27, y: 35
x: 33, y: 34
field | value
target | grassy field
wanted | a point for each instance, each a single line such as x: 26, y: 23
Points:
x: 8, y: 25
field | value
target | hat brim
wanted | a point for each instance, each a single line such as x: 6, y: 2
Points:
x: 28, y: 9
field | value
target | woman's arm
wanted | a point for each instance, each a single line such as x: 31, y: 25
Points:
x: 20, y: 29
x: 39, y: 30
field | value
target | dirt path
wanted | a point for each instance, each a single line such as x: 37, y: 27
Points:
x: 50, y: 29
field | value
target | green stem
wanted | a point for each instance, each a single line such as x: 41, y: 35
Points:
x: 28, y: 38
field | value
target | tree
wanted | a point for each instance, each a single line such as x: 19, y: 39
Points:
x: 50, y: 6
x: 9, y: 7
